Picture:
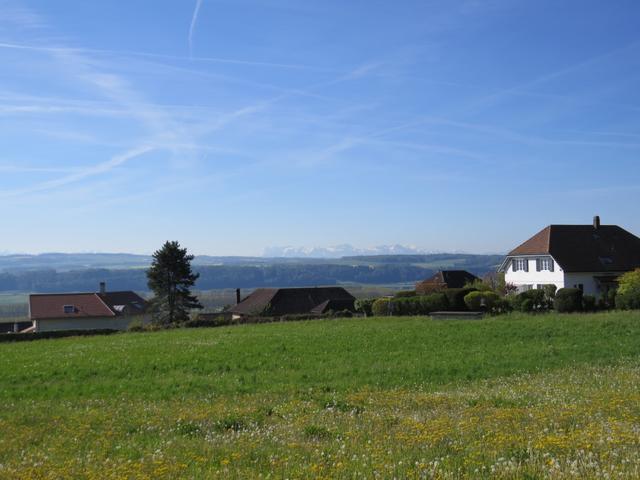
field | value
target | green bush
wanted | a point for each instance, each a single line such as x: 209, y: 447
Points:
x: 405, y: 293
x: 455, y: 298
x: 568, y: 300
x: 418, y: 305
x: 628, y: 295
x: 550, y: 291
x: 363, y: 305
x: 479, y: 285
x: 527, y: 305
x: 380, y: 307
x: 534, y: 300
x: 589, y: 303
x: 482, y: 300
x: 206, y: 320
x: 434, y: 302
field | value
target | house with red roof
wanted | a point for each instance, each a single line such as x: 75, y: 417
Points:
x: 85, y: 311
x: 588, y: 257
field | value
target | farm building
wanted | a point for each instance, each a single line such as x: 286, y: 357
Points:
x: 286, y: 301
x: 445, y: 279
x: 85, y: 311
x: 13, y: 326
x: 588, y: 257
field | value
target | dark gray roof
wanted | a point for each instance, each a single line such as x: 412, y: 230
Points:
x: 585, y: 248
x: 283, y: 301
x: 449, y: 278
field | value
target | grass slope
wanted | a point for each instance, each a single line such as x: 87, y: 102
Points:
x: 404, y: 397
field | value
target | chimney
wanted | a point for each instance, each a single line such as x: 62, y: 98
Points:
x: 103, y: 288
x: 596, y: 222
x: 237, y: 296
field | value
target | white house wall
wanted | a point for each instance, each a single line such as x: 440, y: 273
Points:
x: 532, y: 277
x: 98, y: 323
x: 589, y: 284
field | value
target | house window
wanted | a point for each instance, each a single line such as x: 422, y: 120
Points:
x: 69, y: 309
x: 525, y: 288
x: 544, y: 263
x: 521, y: 264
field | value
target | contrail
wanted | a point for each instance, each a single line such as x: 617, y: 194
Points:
x: 192, y: 28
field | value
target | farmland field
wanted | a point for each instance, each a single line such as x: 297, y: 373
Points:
x: 552, y: 396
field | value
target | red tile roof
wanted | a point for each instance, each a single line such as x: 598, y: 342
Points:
x: 84, y: 305
x: 52, y: 306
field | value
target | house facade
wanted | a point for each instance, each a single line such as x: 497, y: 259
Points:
x: 588, y: 257
x: 85, y: 311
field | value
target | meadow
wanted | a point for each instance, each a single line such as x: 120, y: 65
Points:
x: 518, y: 396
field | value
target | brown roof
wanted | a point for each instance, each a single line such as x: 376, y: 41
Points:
x: 584, y: 248
x: 283, y: 301
x: 52, y: 306
x: 449, y: 279
x: 83, y: 305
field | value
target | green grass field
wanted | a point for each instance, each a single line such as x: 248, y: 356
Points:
x: 552, y: 396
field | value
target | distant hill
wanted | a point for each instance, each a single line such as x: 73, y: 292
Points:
x: 56, y: 272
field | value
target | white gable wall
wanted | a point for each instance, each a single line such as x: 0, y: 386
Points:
x: 587, y: 280
x: 523, y: 279
x: 531, y: 279
x: 93, y: 323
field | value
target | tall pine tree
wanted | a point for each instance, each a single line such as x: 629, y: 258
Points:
x: 170, y: 278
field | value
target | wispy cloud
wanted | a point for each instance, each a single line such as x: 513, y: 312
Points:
x: 192, y: 27
x: 524, y: 87
x: 160, y: 56
x: 101, y: 168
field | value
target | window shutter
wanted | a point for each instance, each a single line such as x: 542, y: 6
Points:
x: 514, y: 265
x: 526, y: 264
x: 538, y: 264
x: 551, y: 263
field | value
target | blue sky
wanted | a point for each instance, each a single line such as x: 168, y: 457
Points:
x: 233, y: 126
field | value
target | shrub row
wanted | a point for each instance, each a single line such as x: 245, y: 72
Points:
x: 25, y: 337
x: 452, y: 299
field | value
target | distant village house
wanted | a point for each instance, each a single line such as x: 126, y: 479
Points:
x: 103, y: 310
x: 445, y: 279
x: 270, y: 302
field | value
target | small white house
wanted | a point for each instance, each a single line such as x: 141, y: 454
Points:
x: 588, y: 257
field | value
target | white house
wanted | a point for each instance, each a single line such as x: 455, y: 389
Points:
x: 588, y: 257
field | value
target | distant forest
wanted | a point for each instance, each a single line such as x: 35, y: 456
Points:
x: 360, y: 270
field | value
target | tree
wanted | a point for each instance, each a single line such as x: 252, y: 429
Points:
x: 628, y: 295
x: 170, y: 278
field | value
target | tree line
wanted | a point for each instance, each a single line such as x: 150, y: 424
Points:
x: 214, y: 277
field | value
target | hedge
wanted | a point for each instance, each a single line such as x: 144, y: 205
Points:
x: 455, y: 298
x: 482, y: 300
x: 380, y: 307
x: 532, y: 300
x: 422, y: 305
x: 568, y: 300
x: 25, y: 337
